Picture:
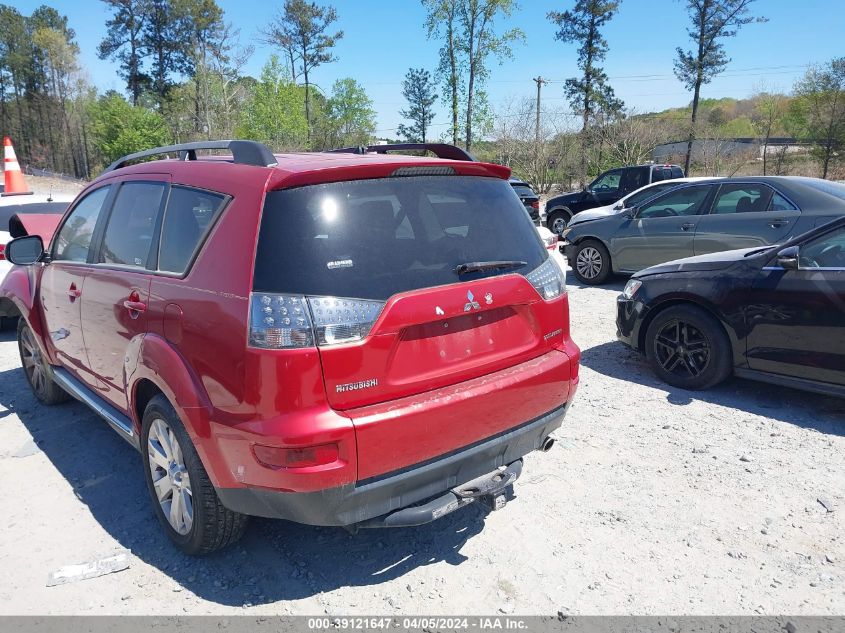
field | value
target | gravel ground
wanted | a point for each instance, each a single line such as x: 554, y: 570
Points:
x: 654, y: 500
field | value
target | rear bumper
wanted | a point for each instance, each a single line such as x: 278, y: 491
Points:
x: 383, y: 495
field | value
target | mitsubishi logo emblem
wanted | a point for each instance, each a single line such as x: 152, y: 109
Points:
x: 471, y: 302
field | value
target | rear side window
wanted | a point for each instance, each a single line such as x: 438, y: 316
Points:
x: 73, y: 242
x: 678, y: 202
x: 129, y: 234
x: 748, y: 198
x: 677, y: 172
x: 371, y: 239
x: 779, y: 203
x: 189, y: 215
x: 635, y: 178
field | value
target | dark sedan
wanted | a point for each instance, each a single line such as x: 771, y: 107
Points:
x: 530, y: 200
x: 699, y: 218
x: 775, y: 314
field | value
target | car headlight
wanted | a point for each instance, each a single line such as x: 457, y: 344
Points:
x: 566, y: 231
x: 631, y: 288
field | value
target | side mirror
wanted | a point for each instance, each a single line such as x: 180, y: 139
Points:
x: 788, y: 258
x: 630, y: 212
x: 26, y: 250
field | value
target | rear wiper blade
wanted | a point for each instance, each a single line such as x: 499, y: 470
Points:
x: 473, y: 267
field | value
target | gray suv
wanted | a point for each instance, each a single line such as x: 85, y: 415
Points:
x: 700, y: 218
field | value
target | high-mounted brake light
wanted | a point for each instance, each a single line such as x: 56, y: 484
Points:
x: 279, y: 321
x: 423, y: 171
x: 548, y: 279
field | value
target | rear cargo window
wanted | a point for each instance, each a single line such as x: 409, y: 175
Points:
x: 374, y: 238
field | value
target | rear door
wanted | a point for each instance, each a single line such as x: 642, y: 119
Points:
x: 663, y: 229
x: 796, y: 318
x: 381, y: 257
x: 114, y: 308
x: 63, y: 283
x: 745, y: 215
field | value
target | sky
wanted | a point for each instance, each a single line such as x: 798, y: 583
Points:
x: 384, y: 38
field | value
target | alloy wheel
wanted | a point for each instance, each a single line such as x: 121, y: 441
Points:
x: 682, y: 349
x: 33, y: 363
x: 170, y: 476
x: 559, y: 225
x: 589, y: 262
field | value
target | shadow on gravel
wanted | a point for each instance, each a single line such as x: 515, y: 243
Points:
x: 808, y: 410
x: 275, y: 561
x: 617, y: 282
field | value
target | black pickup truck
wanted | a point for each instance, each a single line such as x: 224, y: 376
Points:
x: 609, y: 187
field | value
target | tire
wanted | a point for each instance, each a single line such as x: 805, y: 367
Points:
x: 558, y: 220
x: 200, y: 524
x: 591, y: 263
x: 688, y: 348
x: 38, y: 372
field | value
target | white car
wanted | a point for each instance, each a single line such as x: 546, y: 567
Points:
x: 26, y: 204
x: 634, y: 198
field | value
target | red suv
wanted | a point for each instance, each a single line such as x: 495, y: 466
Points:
x: 356, y: 339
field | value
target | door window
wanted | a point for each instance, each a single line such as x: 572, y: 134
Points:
x: 742, y: 198
x: 189, y: 216
x: 74, y: 240
x: 827, y: 251
x: 607, y: 183
x: 636, y: 178
x: 129, y: 234
x: 678, y: 202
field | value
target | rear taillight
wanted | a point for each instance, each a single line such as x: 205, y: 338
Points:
x: 280, y: 321
x: 549, y: 279
x: 536, y: 204
x: 550, y: 241
x: 2, y: 252
x: 276, y: 457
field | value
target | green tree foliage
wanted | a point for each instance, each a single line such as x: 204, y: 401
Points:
x: 470, y: 38
x: 274, y: 113
x: 119, y: 128
x: 590, y: 93
x: 350, y: 117
x: 419, y: 90
x: 818, y: 111
x: 124, y: 42
x: 442, y: 22
x: 303, y: 31
x: 712, y: 21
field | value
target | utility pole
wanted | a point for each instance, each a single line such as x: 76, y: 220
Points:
x: 539, y: 81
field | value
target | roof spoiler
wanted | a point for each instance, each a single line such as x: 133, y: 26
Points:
x: 243, y: 153
x: 441, y: 150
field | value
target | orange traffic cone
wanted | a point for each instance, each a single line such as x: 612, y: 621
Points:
x: 13, y: 177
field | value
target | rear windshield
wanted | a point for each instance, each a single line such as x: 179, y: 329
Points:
x: 374, y: 238
x: 53, y: 208
x: 524, y: 190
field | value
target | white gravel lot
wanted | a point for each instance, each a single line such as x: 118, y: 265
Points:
x: 654, y: 500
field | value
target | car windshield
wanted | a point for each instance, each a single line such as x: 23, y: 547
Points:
x: 374, y: 238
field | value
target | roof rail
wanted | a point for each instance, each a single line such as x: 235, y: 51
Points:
x: 243, y: 153
x: 441, y: 150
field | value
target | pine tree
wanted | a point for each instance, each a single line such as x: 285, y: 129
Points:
x: 418, y: 89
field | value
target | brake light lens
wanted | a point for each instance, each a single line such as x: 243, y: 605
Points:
x: 279, y: 321
x: 536, y: 204
x: 548, y: 279
x: 342, y: 320
x: 2, y: 252
x: 276, y: 457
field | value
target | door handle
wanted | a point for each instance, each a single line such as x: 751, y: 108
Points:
x: 686, y: 226
x: 135, y: 306
x: 776, y: 224
x: 72, y: 293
